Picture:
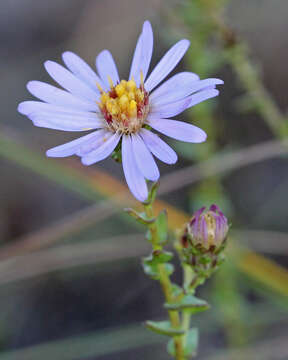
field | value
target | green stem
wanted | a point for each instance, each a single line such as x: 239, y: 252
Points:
x: 186, y: 316
x: 166, y: 285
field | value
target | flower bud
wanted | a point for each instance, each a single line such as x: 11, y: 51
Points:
x: 206, y: 231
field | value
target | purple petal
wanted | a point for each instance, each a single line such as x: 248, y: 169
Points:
x: 73, y: 146
x: 106, y: 68
x: 70, y: 82
x: 134, y: 178
x: 176, y: 84
x: 102, y: 152
x: 143, y: 53
x: 167, y: 64
x: 196, y: 225
x: 217, y: 230
x: 102, y: 136
x: 66, y: 121
x: 81, y: 69
x: 179, y: 87
x: 169, y: 110
x: 178, y: 130
x: 202, y: 96
x: 204, y: 230
x: 55, y: 96
x: 214, y: 208
x: 158, y: 147
x: 145, y: 162
x: 29, y: 107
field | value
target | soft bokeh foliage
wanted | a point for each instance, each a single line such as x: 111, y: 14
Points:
x: 71, y: 282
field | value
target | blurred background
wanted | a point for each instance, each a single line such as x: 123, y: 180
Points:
x: 71, y: 282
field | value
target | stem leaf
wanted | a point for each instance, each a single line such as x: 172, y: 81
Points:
x: 140, y: 217
x: 191, y: 344
x: 153, y: 269
x: 152, y: 194
x: 158, y: 257
x: 188, y: 303
x: 162, y: 227
x: 164, y: 328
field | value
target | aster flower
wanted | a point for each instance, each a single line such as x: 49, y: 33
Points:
x: 121, y: 112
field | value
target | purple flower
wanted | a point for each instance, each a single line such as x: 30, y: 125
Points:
x: 207, y: 229
x: 121, y: 112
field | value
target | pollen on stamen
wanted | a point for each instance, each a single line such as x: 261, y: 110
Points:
x: 124, y: 106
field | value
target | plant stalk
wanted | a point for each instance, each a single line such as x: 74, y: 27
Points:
x: 165, y: 285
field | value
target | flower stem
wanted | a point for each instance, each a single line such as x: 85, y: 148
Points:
x: 166, y: 285
x: 186, y: 316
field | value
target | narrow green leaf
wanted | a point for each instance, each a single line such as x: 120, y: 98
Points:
x: 192, y: 340
x: 153, y: 271
x: 152, y: 194
x: 162, y: 227
x: 158, y: 257
x: 163, y: 328
x: 188, y: 303
x: 140, y: 217
x: 191, y: 344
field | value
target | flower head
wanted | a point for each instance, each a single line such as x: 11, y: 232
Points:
x: 121, y: 112
x: 207, y: 230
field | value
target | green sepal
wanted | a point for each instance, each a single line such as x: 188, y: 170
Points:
x: 190, y: 304
x: 205, y: 259
x: 161, y: 223
x: 140, y: 217
x: 146, y: 126
x: 177, y: 291
x: 191, y: 344
x: 117, y: 154
x: 163, y: 328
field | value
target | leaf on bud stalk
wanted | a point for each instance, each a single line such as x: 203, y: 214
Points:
x: 176, y: 290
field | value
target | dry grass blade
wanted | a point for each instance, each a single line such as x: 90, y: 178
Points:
x: 94, y: 182
x: 67, y: 256
x: 221, y: 164
x: 269, y: 242
x: 174, y: 181
x: 52, y: 233
x: 109, y: 341
x: 276, y: 349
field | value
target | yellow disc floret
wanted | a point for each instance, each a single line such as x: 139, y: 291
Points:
x: 125, y: 106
